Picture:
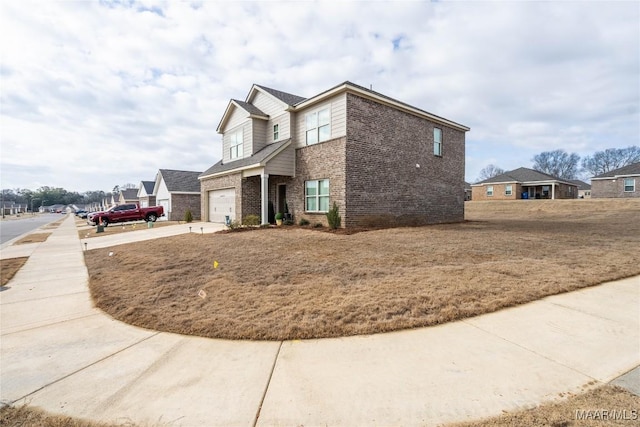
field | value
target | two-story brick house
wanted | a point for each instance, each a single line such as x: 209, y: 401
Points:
x: 383, y: 162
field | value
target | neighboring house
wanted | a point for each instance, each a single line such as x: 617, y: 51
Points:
x: 177, y: 191
x: 128, y: 195
x: 381, y: 161
x: 621, y: 183
x: 13, y: 208
x: 145, y: 194
x: 584, y: 189
x: 524, y: 183
x: 467, y: 191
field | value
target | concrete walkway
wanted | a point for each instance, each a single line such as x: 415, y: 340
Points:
x: 60, y: 353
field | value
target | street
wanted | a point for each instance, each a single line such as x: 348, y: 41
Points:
x: 12, y: 228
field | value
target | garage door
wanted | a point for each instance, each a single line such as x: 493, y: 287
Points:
x: 222, y: 203
x: 165, y: 205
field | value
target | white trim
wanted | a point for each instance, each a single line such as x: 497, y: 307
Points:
x: 628, y: 175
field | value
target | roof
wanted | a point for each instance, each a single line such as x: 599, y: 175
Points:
x: 250, y: 108
x: 180, y: 181
x: 148, y: 186
x: 632, y: 169
x: 522, y: 175
x: 581, y: 184
x: 130, y: 193
x: 257, y: 158
x: 285, y: 97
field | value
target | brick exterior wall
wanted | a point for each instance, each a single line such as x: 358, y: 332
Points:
x: 610, y: 188
x: 251, y: 197
x: 218, y: 183
x: 181, y: 202
x: 325, y: 160
x: 384, y: 187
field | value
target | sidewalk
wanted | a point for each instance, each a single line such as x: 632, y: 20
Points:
x: 61, y: 354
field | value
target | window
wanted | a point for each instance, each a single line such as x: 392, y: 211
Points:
x: 317, y: 125
x: 275, y: 132
x: 437, y: 142
x: 489, y: 190
x: 508, y: 190
x: 316, y: 194
x: 235, y: 142
x: 629, y: 185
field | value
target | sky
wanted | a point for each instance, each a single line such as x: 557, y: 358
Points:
x: 95, y: 94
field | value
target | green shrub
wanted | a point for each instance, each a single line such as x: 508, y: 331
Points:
x: 234, y: 225
x: 188, y: 217
x: 251, y: 220
x: 333, y: 217
x: 318, y: 225
x: 287, y: 222
x: 303, y: 222
x: 279, y: 216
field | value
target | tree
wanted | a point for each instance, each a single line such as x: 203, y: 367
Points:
x: 610, y: 159
x: 489, y: 172
x: 558, y: 163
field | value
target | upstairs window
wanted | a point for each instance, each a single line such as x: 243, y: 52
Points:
x: 629, y: 185
x: 317, y: 126
x: 276, y: 132
x: 235, y: 145
x: 489, y: 190
x: 437, y: 142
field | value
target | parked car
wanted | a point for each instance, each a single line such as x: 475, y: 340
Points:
x: 124, y: 213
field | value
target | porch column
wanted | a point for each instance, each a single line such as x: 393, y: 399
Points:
x: 264, y: 193
x: 553, y: 191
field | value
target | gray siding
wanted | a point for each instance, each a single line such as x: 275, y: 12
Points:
x: 338, y: 120
x: 267, y: 104
x: 283, y: 163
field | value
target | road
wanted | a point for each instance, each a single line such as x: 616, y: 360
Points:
x: 10, y: 229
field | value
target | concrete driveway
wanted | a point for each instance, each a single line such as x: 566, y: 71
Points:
x: 61, y: 354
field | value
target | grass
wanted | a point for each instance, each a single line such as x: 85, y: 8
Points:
x: 9, y: 267
x: 88, y: 231
x: 279, y: 283
x: 570, y: 412
x: 557, y: 414
x: 33, y: 238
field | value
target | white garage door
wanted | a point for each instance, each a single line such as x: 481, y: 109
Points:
x: 165, y: 205
x: 222, y: 203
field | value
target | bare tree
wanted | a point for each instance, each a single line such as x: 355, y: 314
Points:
x: 558, y: 163
x: 489, y: 172
x: 610, y: 159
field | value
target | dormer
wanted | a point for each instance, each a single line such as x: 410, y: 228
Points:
x: 262, y: 119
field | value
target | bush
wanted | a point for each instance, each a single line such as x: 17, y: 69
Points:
x: 279, y: 216
x: 303, y: 222
x: 251, y: 220
x: 333, y: 217
x: 318, y: 225
x: 188, y: 217
x: 287, y: 222
x: 234, y: 225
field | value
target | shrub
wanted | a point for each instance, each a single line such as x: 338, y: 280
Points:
x: 303, y: 222
x: 333, y: 217
x: 251, y: 220
x: 287, y: 222
x: 234, y: 225
x: 279, y: 216
x: 318, y: 225
x: 188, y: 217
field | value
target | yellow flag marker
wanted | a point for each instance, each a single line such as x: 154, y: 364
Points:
x: 215, y: 264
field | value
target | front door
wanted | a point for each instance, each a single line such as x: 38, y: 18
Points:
x: 282, y: 198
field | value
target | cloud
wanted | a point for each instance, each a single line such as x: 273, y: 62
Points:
x: 102, y: 93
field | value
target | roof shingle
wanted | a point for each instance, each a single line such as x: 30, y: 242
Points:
x: 181, y: 181
x: 632, y: 169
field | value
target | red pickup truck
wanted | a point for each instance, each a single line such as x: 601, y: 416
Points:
x: 126, y: 212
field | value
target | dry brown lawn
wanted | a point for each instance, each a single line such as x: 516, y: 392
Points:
x: 87, y: 232
x: 623, y: 409
x: 33, y: 238
x: 27, y: 416
x: 9, y: 267
x: 275, y: 284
